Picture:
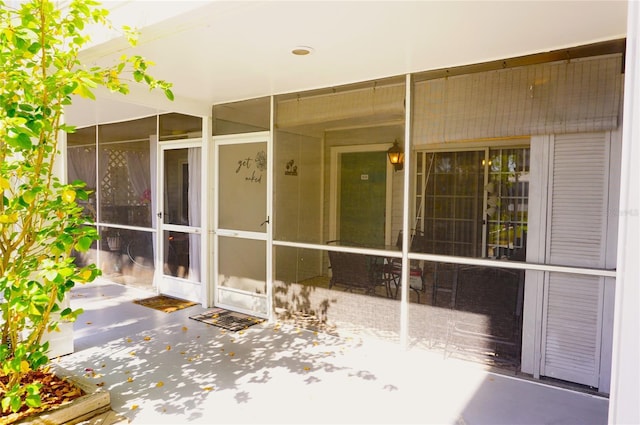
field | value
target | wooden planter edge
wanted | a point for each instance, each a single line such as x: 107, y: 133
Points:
x: 96, y: 400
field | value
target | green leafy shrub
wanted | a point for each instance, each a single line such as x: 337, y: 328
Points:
x: 41, y: 223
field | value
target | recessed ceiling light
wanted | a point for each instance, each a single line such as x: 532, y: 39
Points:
x: 302, y: 50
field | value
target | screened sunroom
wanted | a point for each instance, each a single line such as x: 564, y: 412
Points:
x: 461, y: 210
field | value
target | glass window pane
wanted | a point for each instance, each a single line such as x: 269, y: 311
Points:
x: 453, y: 199
x: 247, y: 116
x: 127, y: 256
x: 83, y: 259
x: 182, y: 186
x: 313, y: 291
x: 333, y: 180
x: 243, y: 198
x: 242, y: 264
x: 469, y: 311
x: 181, y: 256
x: 242, y: 273
x: 124, y: 169
x: 508, y: 200
x: 176, y: 126
x: 81, y: 164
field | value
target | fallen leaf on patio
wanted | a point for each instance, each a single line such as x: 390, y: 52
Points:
x: 315, y: 343
x: 129, y: 340
x: 134, y: 406
x: 104, y: 365
x: 207, y: 389
x: 232, y: 354
x: 89, y: 323
x: 307, y: 368
x: 160, y: 384
x: 184, y: 329
x: 130, y: 379
x: 133, y: 353
x: 147, y: 338
x: 168, y: 347
x: 100, y: 384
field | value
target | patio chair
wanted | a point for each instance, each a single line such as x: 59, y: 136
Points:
x: 354, y: 272
x: 416, y: 270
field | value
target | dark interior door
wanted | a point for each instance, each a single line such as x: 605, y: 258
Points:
x: 363, y: 198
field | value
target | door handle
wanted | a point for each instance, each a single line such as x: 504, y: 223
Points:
x: 264, y: 222
x: 159, y: 214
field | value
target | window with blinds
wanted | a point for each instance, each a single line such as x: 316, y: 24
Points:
x: 580, y: 95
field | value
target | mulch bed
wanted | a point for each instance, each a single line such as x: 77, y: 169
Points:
x: 54, y: 392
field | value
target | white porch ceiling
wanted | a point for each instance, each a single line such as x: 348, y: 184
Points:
x: 222, y: 51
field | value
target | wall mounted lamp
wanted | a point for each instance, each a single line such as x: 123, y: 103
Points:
x: 396, y: 156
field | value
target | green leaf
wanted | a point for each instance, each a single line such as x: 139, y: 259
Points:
x: 51, y: 275
x: 34, y: 310
x: 29, y: 196
x: 16, y: 403
x: 84, y: 91
x: 33, y: 400
x: 6, y: 402
x: 69, y: 88
x: 84, y: 243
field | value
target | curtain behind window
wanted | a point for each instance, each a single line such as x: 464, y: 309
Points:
x: 195, y: 202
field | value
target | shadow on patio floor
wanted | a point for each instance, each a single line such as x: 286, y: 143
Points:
x: 165, y: 368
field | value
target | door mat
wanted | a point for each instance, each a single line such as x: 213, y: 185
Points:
x: 165, y: 303
x: 226, y: 319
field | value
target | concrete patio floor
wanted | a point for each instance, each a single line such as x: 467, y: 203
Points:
x: 164, y: 368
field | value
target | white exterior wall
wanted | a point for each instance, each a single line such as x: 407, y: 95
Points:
x: 625, y: 377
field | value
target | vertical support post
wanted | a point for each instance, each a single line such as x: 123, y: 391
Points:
x: 625, y: 373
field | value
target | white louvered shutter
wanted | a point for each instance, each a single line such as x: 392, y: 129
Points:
x: 576, y: 237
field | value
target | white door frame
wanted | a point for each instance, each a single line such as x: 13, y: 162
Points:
x: 214, y: 294
x: 171, y: 285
